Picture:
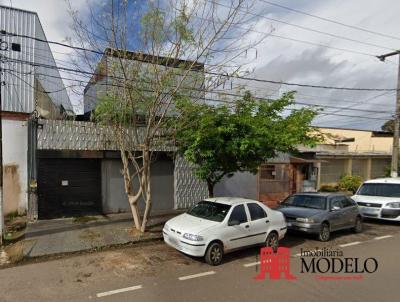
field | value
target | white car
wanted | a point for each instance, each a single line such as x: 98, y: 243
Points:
x: 379, y: 198
x: 216, y: 226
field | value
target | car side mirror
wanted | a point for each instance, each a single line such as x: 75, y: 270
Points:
x: 233, y: 222
x: 335, y: 208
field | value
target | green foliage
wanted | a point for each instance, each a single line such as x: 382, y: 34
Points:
x: 388, y: 126
x: 153, y: 26
x: 113, y: 111
x: 329, y: 188
x: 220, y: 140
x: 350, y: 183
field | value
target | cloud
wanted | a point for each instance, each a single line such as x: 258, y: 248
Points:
x: 284, y: 60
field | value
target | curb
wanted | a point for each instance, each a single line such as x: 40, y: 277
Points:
x: 37, y: 259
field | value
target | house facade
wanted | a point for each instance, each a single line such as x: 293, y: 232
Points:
x: 79, y: 163
x: 343, y: 152
x: 32, y: 88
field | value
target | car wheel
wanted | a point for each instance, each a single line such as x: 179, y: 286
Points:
x: 324, y: 233
x: 272, y: 241
x: 214, y: 254
x: 358, y: 227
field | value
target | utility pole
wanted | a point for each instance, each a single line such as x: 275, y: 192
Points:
x: 1, y: 155
x: 396, y: 130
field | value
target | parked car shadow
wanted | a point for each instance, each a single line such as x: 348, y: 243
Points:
x: 290, y: 241
x: 381, y: 222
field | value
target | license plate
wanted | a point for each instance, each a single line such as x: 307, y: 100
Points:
x: 370, y: 210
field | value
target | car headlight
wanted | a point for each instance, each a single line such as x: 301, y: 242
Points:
x: 393, y: 205
x: 193, y: 237
x: 306, y: 220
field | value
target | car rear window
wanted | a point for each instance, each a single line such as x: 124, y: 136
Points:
x: 210, y: 210
x: 385, y: 190
x: 306, y: 201
x: 239, y: 214
x: 256, y: 212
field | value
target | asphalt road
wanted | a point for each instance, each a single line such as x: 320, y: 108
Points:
x: 155, y: 272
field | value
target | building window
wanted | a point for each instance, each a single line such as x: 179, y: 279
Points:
x: 268, y: 172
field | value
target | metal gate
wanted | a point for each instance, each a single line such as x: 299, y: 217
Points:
x: 68, y: 187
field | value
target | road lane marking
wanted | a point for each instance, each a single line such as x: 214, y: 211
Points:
x: 350, y: 244
x: 251, y: 264
x: 118, y: 291
x: 383, y: 237
x: 196, y: 275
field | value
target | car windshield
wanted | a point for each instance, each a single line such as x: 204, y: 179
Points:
x: 385, y: 190
x: 306, y: 201
x: 210, y: 210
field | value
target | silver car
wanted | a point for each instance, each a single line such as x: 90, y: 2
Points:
x: 321, y: 213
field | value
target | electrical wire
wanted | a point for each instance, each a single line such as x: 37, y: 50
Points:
x: 331, y: 20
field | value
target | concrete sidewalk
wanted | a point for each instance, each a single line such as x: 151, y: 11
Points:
x: 59, y: 236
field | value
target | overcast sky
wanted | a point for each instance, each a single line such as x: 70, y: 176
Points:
x: 293, y: 61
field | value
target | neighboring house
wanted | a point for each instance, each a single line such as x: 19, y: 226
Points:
x: 344, y: 152
x: 108, y: 74
x: 79, y: 167
x: 28, y: 88
x: 351, y: 152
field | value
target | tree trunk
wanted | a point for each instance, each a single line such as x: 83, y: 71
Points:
x: 146, y: 189
x: 133, y: 202
x: 210, y: 186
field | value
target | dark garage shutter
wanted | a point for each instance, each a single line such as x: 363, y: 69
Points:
x: 68, y: 187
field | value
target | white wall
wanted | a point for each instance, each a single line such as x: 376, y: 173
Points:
x: 15, y: 165
x: 114, y: 198
x: 241, y: 184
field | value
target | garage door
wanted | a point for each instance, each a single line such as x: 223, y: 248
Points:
x: 68, y: 187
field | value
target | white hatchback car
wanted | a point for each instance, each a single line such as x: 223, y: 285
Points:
x: 379, y: 198
x: 216, y: 226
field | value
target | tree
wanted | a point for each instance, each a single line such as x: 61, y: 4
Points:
x: 222, y: 140
x: 141, y: 88
x: 388, y: 126
x: 350, y: 183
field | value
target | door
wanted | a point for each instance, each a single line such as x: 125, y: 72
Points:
x: 337, y: 214
x: 68, y: 187
x: 351, y: 212
x: 237, y: 235
x: 259, y: 223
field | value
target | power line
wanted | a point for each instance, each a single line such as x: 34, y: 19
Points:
x: 218, y: 74
x: 331, y: 21
x: 263, y: 99
x: 224, y: 75
x: 310, y: 29
x: 238, y: 95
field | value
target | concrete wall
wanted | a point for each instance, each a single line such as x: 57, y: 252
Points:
x: 15, y: 167
x: 241, y: 184
x: 332, y: 170
x: 45, y: 106
x: 368, y: 168
x: 114, y: 198
x: 364, y: 141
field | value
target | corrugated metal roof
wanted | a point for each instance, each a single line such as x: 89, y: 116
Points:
x: 18, y: 95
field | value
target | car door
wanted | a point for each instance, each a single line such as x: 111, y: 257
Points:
x: 336, y: 214
x: 351, y: 211
x: 259, y: 223
x: 237, y: 235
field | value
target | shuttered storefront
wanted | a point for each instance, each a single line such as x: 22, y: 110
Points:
x: 68, y: 187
